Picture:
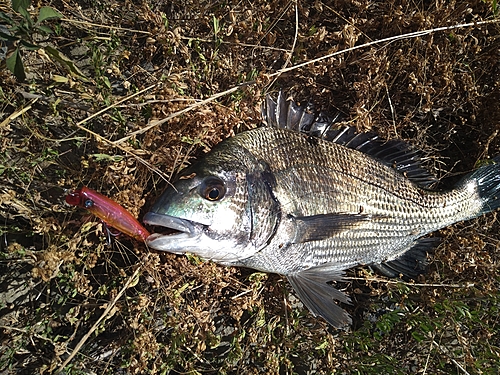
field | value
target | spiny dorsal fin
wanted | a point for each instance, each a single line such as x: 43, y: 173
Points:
x: 286, y: 114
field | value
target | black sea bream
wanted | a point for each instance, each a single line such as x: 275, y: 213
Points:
x: 300, y: 199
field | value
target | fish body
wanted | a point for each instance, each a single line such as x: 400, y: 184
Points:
x: 303, y: 200
x: 108, y: 211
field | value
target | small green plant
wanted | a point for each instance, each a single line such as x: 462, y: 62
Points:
x: 21, y: 32
x: 494, y: 7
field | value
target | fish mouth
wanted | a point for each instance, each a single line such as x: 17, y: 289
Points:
x: 173, y: 231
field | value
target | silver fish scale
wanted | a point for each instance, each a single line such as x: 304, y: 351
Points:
x: 315, y: 177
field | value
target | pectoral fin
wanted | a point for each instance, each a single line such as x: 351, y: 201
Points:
x: 323, y: 226
x: 313, y: 290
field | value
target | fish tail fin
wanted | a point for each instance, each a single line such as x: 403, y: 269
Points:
x: 487, y: 179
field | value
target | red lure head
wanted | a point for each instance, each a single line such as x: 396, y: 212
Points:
x: 74, y: 197
x: 79, y: 198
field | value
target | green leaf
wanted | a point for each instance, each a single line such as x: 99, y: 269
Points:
x: 216, y: 24
x: 30, y: 46
x: 106, y: 82
x: 48, y: 13
x: 26, y: 16
x: 106, y: 157
x: 44, y: 29
x: 59, y: 79
x: 8, y: 37
x: 5, y: 17
x: 19, y: 5
x: 418, y: 336
x: 65, y: 62
x: 15, y: 64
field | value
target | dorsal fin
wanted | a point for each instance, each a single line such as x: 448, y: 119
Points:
x: 286, y: 114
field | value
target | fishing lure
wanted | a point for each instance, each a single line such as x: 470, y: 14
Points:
x: 108, y: 211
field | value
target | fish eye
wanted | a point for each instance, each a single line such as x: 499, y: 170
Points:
x: 212, y: 188
x: 88, y: 203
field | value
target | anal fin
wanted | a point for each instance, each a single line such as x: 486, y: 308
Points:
x: 412, y: 263
x: 318, y: 296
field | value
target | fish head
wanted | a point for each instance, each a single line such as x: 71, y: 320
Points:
x: 210, y: 211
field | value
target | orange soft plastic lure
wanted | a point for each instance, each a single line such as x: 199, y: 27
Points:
x: 108, y: 211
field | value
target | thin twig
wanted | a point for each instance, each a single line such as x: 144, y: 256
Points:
x: 428, y: 358
x: 185, y: 110
x: 137, y: 157
x: 17, y: 113
x: 290, y: 53
x: 254, y: 46
x: 468, y: 285
x: 28, y: 95
x: 393, y: 112
x: 296, y: 36
x: 86, y: 23
x: 385, y: 40
x: 110, y: 306
x: 115, y: 104
x: 348, y: 21
x: 27, y: 332
x: 111, y: 143
x: 447, y: 353
x: 148, y: 102
x: 275, y: 22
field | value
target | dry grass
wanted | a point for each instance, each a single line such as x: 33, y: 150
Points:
x: 143, y: 63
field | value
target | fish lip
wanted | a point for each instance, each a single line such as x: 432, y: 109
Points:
x: 186, y: 231
x: 171, y: 222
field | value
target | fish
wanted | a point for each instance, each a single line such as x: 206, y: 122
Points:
x: 300, y: 198
x: 108, y: 211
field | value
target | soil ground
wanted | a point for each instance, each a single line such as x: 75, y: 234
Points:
x: 73, y: 300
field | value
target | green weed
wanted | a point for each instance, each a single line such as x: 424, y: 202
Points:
x: 22, y: 31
